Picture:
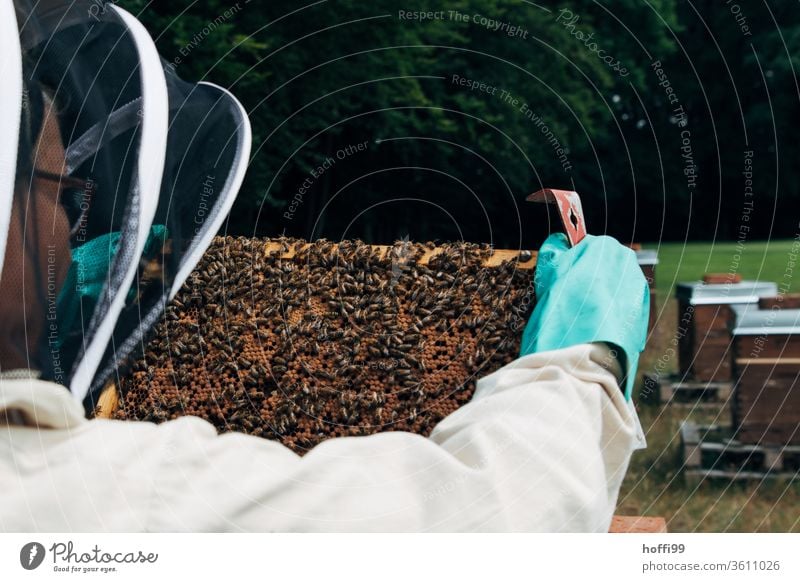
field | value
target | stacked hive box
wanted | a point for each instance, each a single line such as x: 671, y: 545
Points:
x: 338, y: 339
x: 703, y: 316
x: 648, y: 259
x: 766, y: 367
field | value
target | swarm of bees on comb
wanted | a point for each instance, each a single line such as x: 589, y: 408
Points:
x: 300, y: 342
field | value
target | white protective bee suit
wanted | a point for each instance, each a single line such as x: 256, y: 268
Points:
x: 543, y: 446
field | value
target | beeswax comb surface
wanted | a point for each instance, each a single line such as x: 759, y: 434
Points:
x: 300, y: 342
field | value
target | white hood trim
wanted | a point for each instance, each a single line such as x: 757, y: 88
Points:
x: 10, y: 113
x: 153, y: 148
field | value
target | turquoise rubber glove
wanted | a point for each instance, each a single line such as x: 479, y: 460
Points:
x: 593, y: 292
x: 87, y: 277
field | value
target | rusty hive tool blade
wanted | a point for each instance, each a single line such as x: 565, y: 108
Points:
x: 569, y: 208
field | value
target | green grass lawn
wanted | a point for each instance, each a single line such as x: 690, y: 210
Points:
x: 654, y: 484
x: 758, y: 260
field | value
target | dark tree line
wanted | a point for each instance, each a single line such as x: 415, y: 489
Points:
x: 383, y: 120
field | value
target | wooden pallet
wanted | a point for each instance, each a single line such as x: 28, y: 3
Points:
x: 676, y: 391
x: 712, y: 452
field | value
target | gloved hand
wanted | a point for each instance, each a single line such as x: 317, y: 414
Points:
x: 87, y: 277
x: 593, y: 292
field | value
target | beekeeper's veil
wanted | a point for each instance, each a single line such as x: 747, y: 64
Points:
x: 114, y: 177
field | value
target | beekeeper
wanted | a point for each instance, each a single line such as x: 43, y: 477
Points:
x: 114, y: 177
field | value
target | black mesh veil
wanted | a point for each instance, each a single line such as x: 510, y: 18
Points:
x: 207, y: 150
x: 122, y: 175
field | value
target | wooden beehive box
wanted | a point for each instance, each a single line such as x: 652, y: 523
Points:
x: 302, y: 342
x: 766, y: 370
x: 703, y: 315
